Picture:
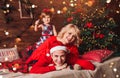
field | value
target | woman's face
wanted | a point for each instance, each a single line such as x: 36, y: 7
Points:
x: 59, y: 57
x: 69, y: 36
x: 46, y: 19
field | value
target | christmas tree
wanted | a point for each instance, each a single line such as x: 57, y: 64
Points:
x: 96, y: 25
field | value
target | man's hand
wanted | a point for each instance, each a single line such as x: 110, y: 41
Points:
x: 64, y: 66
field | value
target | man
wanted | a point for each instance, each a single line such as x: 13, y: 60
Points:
x: 56, y: 62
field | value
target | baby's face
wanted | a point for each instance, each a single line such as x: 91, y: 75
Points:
x: 46, y: 19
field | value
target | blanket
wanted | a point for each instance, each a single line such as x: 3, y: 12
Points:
x: 107, y: 69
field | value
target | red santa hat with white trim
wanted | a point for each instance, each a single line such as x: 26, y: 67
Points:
x: 59, y: 47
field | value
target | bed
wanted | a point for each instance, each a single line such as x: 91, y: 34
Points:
x: 110, y: 68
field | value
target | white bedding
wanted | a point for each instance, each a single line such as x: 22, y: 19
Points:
x: 108, y: 69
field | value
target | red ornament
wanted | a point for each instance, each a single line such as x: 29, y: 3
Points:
x: 101, y: 36
x: 89, y: 24
x: 96, y: 35
x: 69, y: 19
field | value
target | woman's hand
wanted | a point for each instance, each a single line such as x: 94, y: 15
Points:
x: 76, y: 67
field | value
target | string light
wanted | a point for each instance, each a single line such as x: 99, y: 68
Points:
x: 0, y: 64
x: 6, y: 33
x: 15, y: 46
x: 117, y: 76
x: 117, y: 12
x: 4, y: 45
x: 64, y: 2
x: 52, y: 10
x: 108, y: 1
x: 34, y: 6
x: 59, y: 12
x: 7, y: 5
x: 18, y: 40
x: 104, y: 75
x: 51, y: 2
x: 6, y: 59
x: 64, y: 9
x: 115, y: 69
x: 71, y: 4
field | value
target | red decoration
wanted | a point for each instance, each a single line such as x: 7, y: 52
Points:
x: 98, y: 35
x: 89, y: 25
x: 70, y: 19
x: 15, y: 66
x: 46, y: 10
x: 97, y: 55
x: 102, y: 36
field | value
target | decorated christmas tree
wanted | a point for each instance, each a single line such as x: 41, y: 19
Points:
x: 96, y: 24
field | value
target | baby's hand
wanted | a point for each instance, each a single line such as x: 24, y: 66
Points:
x: 36, y: 22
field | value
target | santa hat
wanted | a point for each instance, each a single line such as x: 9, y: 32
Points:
x: 56, y: 48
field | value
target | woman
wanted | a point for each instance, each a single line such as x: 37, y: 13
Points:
x: 56, y: 62
x: 69, y: 36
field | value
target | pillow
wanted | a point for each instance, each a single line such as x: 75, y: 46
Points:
x: 8, y: 54
x: 97, y: 55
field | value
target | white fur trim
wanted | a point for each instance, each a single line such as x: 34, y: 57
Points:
x: 59, y: 48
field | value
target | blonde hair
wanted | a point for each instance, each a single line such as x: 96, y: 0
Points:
x: 67, y: 28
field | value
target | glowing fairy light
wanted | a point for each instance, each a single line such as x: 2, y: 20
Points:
x: 72, y: 5
x: 18, y: 39
x: 58, y: 12
x: 64, y: 2
x: 0, y: 64
x: 15, y: 45
x: 64, y: 9
x: 71, y: 1
x: 6, y: 59
x: 7, y: 5
x: 14, y: 68
x: 117, y: 76
x: 108, y: 1
x: 115, y: 69
x: 4, y: 45
x: 6, y: 32
x: 51, y: 2
x: 104, y: 75
x: 33, y: 6
x: 52, y: 10
x: 4, y: 12
x: 118, y: 12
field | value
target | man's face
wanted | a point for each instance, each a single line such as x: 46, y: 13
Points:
x: 59, y: 57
